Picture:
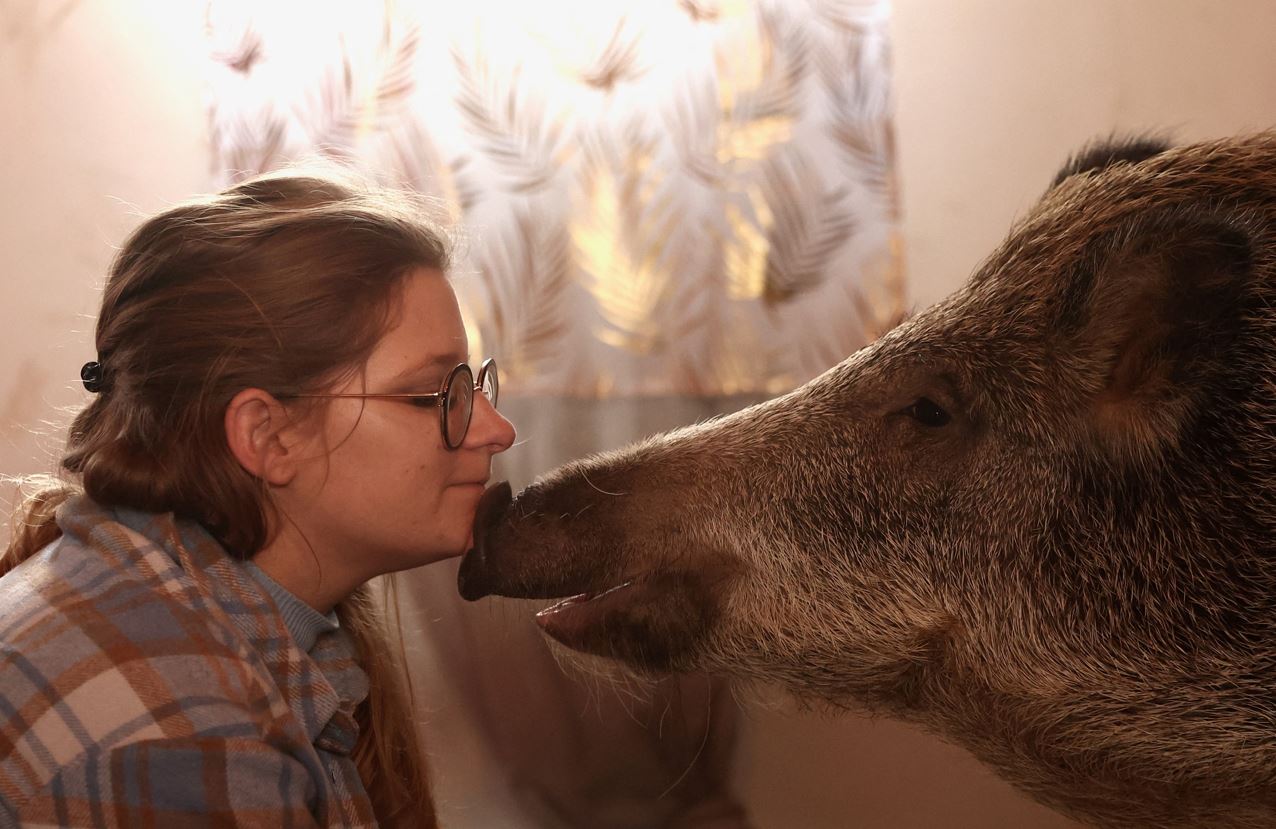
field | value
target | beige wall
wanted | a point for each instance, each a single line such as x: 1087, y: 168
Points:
x: 992, y: 95
x: 101, y: 120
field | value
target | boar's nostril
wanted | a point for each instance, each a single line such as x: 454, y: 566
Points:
x: 475, y: 578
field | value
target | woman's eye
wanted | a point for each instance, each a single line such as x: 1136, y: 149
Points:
x: 928, y: 413
x: 422, y: 402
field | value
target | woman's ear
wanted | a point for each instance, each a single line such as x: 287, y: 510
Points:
x: 261, y: 436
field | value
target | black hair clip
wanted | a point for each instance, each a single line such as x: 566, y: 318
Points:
x: 93, y: 375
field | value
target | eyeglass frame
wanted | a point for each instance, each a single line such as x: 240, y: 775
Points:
x: 440, y: 397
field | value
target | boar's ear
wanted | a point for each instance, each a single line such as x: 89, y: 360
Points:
x: 1158, y: 307
x: 1100, y: 155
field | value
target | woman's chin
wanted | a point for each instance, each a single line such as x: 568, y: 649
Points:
x: 440, y: 550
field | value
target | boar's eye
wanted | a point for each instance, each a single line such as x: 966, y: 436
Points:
x: 927, y: 412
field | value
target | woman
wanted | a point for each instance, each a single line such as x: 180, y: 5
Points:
x: 282, y: 411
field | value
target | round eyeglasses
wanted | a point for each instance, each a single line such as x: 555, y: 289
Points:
x: 455, y: 400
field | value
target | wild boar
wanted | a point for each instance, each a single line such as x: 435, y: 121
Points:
x: 1038, y: 518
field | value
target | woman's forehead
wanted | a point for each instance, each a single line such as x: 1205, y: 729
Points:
x: 426, y: 332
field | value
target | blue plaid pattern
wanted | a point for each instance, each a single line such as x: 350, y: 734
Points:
x: 148, y: 680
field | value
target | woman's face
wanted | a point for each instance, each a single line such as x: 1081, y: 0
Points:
x: 380, y: 491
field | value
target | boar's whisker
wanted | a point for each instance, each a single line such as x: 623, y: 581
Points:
x: 595, y: 486
x: 704, y: 740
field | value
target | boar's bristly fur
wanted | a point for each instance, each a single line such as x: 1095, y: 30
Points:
x: 1038, y: 518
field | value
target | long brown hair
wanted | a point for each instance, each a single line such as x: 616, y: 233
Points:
x: 284, y: 281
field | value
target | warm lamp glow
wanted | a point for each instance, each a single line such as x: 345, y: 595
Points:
x: 690, y: 196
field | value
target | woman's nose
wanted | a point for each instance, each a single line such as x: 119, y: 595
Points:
x: 488, y: 427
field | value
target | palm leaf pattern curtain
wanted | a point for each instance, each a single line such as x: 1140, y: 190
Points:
x: 685, y: 197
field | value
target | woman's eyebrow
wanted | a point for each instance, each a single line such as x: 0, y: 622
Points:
x: 437, y: 362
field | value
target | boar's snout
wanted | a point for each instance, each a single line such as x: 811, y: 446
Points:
x: 521, y: 551
x: 627, y: 593
x: 478, y: 577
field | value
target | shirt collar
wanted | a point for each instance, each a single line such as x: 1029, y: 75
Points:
x: 304, y: 623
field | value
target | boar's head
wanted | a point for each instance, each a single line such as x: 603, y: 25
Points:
x: 1038, y: 518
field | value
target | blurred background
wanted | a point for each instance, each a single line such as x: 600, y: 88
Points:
x: 667, y: 209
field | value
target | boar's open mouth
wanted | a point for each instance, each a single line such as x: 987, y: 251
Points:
x: 653, y: 621
x: 572, y: 606
x: 649, y: 615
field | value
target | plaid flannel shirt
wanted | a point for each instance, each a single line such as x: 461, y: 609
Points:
x: 148, y: 680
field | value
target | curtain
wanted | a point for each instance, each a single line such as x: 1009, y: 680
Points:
x: 665, y: 211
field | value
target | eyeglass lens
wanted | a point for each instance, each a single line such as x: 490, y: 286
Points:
x: 460, y: 399
x: 489, y: 381
x: 460, y: 405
